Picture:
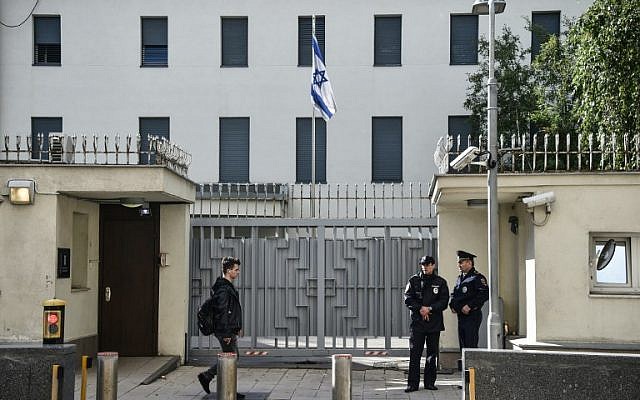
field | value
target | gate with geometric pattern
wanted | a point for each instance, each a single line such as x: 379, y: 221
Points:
x: 316, y: 285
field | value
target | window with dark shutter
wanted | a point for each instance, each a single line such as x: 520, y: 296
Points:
x: 155, y: 51
x: 234, y: 42
x: 459, y: 125
x: 388, y: 40
x: 303, y: 150
x: 386, y: 157
x: 154, y: 126
x: 463, y: 40
x: 304, y: 39
x: 544, y: 24
x: 234, y: 150
x: 46, y: 40
x: 40, y: 130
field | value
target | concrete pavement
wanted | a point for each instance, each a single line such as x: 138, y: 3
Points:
x: 268, y: 382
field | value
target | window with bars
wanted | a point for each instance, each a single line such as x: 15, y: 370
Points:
x: 387, y: 40
x: 463, y: 45
x: 234, y: 42
x: 543, y: 25
x: 304, y: 39
x: 303, y: 150
x: 386, y: 157
x: 46, y: 40
x: 155, y: 50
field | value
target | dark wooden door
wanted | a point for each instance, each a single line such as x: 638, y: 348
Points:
x: 129, y: 245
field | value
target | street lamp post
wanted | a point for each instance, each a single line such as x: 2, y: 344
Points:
x: 494, y: 321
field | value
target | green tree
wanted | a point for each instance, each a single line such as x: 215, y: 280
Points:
x: 516, y: 100
x: 606, y: 69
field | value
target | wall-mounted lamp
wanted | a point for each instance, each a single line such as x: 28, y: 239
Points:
x: 21, y: 191
x: 132, y: 202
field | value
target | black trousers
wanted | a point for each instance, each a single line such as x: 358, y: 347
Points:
x: 232, y: 347
x: 417, y: 341
x: 468, y: 326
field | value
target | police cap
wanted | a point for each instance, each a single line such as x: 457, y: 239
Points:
x: 426, y: 260
x: 463, y: 255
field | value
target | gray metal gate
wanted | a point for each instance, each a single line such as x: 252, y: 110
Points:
x: 315, y: 284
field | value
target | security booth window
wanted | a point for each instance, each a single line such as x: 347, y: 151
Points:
x: 612, y: 268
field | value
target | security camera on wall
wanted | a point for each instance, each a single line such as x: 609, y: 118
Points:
x: 541, y: 199
x: 465, y: 158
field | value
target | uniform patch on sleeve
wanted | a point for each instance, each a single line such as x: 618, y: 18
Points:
x: 435, y: 290
x: 484, y: 281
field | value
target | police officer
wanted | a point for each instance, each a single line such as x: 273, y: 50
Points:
x: 469, y: 294
x: 426, y: 295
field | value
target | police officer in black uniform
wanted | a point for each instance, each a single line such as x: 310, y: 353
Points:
x: 426, y: 295
x: 469, y: 294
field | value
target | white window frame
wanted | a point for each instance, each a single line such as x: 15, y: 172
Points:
x: 632, y: 286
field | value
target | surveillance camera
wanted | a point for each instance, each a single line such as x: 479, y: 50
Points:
x: 465, y: 158
x: 539, y: 199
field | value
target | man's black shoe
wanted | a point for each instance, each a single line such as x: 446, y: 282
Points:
x: 204, y: 381
x: 410, y: 389
x: 430, y: 387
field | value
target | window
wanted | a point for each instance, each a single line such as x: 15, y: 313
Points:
x: 80, y: 251
x: 46, y: 40
x: 40, y: 130
x: 463, y: 46
x: 388, y: 40
x: 459, y: 125
x: 386, y: 149
x: 303, y: 150
x: 622, y: 274
x: 156, y: 126
x: 234, y: 150
x: 234, y: 42
x: 304, y: 39
x: 155, y: 51
x: 544, y: 24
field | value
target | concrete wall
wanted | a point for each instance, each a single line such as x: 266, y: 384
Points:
x: 174, y: 279
x: 101, y: 88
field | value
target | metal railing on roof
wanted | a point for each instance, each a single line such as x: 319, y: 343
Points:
x: 58, y: 148
x: 542, y: 152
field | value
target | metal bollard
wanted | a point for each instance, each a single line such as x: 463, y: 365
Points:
x: 86, y: 363
x: 56, y: 382
x: 107, y: 385
x: 341, y: 377
x: 227, y: 380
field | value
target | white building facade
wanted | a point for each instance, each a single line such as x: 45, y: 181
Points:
x: 185, y: 69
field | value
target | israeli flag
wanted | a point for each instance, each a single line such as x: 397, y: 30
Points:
x: 321, y: 91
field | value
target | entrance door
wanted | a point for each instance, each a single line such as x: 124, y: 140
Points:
x: 129, y: 246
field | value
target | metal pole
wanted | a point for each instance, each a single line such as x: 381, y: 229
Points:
x: 494, y: 322
x: 313, y: 123
x: 227, y: 380
x: 56, y: 373
x: 83, y: 385
x: 107, y: 385
x: 341, y: 377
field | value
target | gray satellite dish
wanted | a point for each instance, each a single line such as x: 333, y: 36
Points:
x: 606, y: 254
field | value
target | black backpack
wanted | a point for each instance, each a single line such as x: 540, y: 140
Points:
x: 206, y: 322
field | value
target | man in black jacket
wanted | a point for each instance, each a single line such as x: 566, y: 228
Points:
x: 426, y: 296
x: 227, y: 316
x: 469, y: 294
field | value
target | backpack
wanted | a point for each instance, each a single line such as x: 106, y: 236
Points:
x: 206, y: 323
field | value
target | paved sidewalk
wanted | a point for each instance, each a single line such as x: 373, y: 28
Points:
x: 267, y: 383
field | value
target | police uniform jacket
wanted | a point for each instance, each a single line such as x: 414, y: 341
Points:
x: 430, y: 291
x: 472, y: 290
x: 227, y: 313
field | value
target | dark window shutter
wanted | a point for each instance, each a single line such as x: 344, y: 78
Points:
x: 464, y: 40
x: 44, y: 126
x: 46, y: 40
x: 544, y: 24
x: 303, y: 150
x: 459, y: 125
x: 156, y: 126
x: 387, y: 149
x: 234, y: 150
x: 388, y: 40
x: 154, y: 41
x: 304, y: 39
x: 234, y: 42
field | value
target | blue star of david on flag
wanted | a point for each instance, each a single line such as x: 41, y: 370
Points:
x: 321, y: 91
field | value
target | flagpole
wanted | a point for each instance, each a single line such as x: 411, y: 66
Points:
x: 313, y: 124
